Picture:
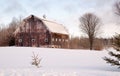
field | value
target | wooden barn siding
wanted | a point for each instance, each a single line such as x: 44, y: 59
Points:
x: 27, y: 39
x: 60, y: 40
x: 33, y: 29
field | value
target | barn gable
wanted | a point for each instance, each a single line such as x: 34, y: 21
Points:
x: 30, y: 23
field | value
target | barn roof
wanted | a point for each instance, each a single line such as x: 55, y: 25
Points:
x: 55, y: 27
x: 52, y: 26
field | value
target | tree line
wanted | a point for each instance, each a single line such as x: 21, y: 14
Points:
x: 7, y: 33
x: 90, y: 24
x: 7, y: 38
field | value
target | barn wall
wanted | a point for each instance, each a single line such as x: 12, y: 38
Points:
x: 32, y: 33
x: 32, y: 39
x: 60, y: 40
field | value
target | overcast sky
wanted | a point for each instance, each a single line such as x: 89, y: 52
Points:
x: 66, y: 12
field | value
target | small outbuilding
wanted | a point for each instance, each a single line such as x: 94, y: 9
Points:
x: 37, y: 32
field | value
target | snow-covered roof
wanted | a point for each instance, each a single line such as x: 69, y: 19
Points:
x: 55, y: 27
x: 51, y: 26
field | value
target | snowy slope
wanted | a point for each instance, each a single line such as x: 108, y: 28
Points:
x: 16, y: 61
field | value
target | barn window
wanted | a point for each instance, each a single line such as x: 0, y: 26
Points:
x: 63, y: 40
x: 33, y: 40
x: 52, y: 39
x: 46, y: 39
x: 20, y: 40
x: 56, y: 39
x: 66, y: 40
x: 59, y: 39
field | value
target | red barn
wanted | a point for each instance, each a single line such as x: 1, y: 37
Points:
x: 34, y: 31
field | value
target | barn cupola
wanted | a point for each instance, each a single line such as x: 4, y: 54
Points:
x: 32, y: 17
x: 44, y: 16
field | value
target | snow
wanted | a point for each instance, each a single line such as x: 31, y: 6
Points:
x: 55, y: 27
x: 16, y: 61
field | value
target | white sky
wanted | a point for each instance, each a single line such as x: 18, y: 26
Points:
x: 66, y: 12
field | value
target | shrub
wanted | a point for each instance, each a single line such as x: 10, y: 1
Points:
x: 36, y: 60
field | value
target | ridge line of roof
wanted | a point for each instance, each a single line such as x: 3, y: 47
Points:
x: 46, y: 20
x: 51, y: 21
x: 43, y: 19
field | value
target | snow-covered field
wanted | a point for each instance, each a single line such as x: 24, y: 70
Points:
x: 16, y: 61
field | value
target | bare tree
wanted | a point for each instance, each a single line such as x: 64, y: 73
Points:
x: 90, y: 25
x: 7, y: 33
x: 117, y: 8
x: 36, y: 60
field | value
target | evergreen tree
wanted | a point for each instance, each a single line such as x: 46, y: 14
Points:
x: 115, y: 56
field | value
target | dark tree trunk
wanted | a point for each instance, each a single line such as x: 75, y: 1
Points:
x: 91, y: 41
